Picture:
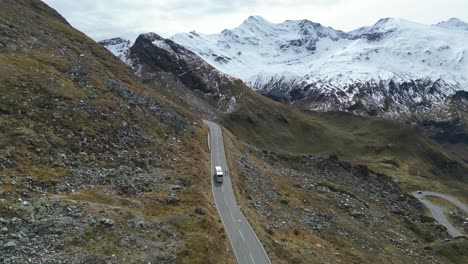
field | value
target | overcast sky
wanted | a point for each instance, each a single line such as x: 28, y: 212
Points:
x: 101, y: 19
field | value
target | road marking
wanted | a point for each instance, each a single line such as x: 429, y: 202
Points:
x: 234, y: 220
x: 222, y: 188
x: 241, y: 235
x: 252, y: 258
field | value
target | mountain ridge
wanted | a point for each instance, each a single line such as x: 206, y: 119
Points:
x: 299, y: 55
x: 385, y: 25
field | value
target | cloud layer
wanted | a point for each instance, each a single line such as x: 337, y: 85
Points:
x: 127, y: 18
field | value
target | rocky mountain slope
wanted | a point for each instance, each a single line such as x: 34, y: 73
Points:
x: 395, y: 68
x: 95, y: 167
x: 184, y: 77
x: 317, y: 210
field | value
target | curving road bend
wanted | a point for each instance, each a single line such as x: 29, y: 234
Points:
x: 245, y: 243
x: 438, y: 211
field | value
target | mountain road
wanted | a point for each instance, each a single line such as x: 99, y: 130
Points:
x: 438, y: 211
x: 245, y: 243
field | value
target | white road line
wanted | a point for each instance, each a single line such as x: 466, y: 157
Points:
x: 241, y: 235
x: 234, y: 220
x: 252, y: 258
x: 269, y: 261
x: 222, y: 188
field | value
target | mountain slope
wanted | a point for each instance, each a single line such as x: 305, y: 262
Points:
x: 307, y: 209
x: 394, y: 69
x: 97, y: 167
x: 180, y: 75
x: 94, y: 166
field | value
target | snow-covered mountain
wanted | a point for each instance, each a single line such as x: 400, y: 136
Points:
x: 453, y: 23
x: 394, y: 68
x: 119, y: 47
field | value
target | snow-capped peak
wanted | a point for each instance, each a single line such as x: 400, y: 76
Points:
x: 453, y: 23
x: 114, y: 41
x: 256, y: 20
x: 389, y: 23
x: 157, y: 41
x: 118, y: 46
x: 151, y: 36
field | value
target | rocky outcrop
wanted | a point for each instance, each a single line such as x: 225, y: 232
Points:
x: 183, y: 74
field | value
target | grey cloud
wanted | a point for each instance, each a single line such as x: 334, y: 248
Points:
x: 127, y: 18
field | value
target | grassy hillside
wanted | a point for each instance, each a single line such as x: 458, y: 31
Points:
x: 308, y: 209
x: 94, y: 166
x: 387, y: 147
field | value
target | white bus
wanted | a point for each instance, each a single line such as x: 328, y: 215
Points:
x: 219, y: 174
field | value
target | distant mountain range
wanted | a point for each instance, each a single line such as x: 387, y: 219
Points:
x: 392, y: 69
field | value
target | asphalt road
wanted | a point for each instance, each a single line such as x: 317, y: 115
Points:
x: 245, y: 243
x: 438, y: 211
